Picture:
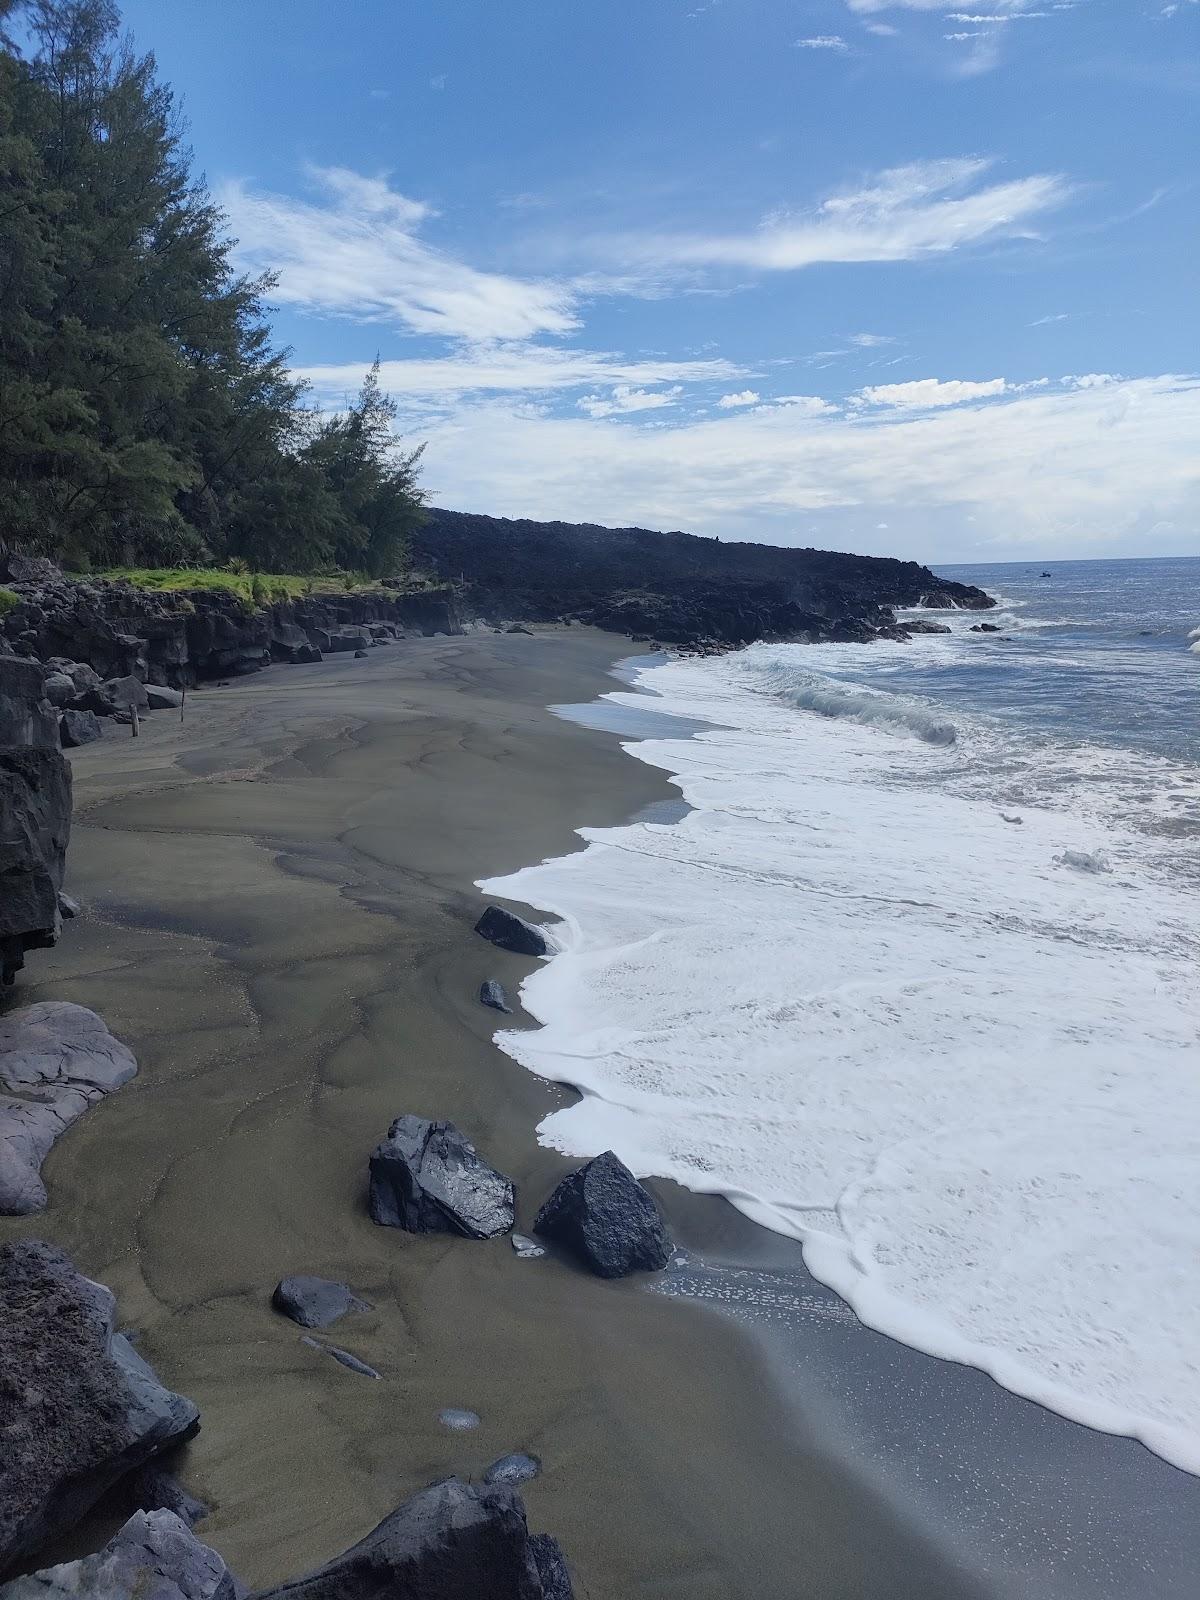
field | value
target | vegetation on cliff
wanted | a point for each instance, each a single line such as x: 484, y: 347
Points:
x: 145, y: 418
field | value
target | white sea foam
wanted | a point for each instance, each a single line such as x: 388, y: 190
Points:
x: 849, y: 994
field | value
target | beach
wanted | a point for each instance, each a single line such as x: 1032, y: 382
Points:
x: 278, y: 906
x: 278, y: 910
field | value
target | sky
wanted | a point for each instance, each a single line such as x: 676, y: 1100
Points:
x: 911, y: 277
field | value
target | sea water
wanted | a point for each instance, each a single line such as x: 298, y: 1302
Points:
x: 916, y: 978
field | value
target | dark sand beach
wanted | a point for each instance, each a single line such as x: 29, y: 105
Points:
x: 278, y: 910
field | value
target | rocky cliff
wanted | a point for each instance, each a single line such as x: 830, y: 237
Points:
x: 675, y: 586
x: 35, y: 815
x: 181, y: 637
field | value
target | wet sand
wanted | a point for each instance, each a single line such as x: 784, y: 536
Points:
x: 278, y: 908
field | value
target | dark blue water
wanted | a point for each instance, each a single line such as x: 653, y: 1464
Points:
x: 1097, y: 651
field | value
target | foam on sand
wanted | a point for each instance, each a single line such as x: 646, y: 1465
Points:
x: 951, y: 1055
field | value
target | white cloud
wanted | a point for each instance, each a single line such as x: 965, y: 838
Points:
x: 823, y: 41
x: 1054, y: 316
x: 747, y: 397
x: 356, y: 253
x: 515, y: 367
x: 903, y: 214
x: 924, y: 394
x: 1061, y: 470
x: 869, y: 341
x: 882, y: 30
x: 624, y: 399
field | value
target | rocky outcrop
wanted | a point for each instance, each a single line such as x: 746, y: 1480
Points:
x: 56, y: 1060
x: 453, y: 1541
x: 79, y: 1408
x: 427, y: 1177
x: 315, y: 1302
x: 155, y: 1556
x: 510, y: 932
x: 35, y: 815
x: 674, y: 587
x: 181, y: 637
x: 605, y: 1217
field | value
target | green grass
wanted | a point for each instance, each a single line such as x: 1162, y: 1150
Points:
x: 251, y: 588
x: 8, y: 600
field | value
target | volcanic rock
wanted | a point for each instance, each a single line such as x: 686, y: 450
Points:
x: 452, y: 1541
x: 80, y: 1406
x: 604, y: 1216
x: 56, y: 1060
x: 315, y: 1302
x: 491, y: 993
x: 155, y: 1556
x: 426, y: 1177
x: 511, y: 932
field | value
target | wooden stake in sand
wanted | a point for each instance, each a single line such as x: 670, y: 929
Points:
x: 134, y: 726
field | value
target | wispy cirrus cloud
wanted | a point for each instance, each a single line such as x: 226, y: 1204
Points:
x: 356, y: 251
x: 513, y: 367
x: 823, y: 41
x: 904, y: 214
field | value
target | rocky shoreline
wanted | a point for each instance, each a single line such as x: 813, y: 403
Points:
x: 74, y: 652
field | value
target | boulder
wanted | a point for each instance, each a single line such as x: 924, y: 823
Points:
x: 80, y: 1406
x: 924, y: 625
x: 605, y: 1217
x: 125, y: 694
x: 511, y: 932
x: 427, y: 1178
x: 56, y: 1060
x: 360, y: 655
x: 78, y: 727
x: 58, y: 688
x: 160, y: 698
x: 491, y: 993
x: 452, y: 1541
x: 315, y: 1302
x: 155, y: 1556
x: 68, y: 906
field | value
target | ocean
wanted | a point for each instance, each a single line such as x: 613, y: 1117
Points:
x: 912, y: 974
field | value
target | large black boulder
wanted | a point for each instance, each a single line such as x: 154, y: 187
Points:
x: 78, y: 727
x: 79, y: 1408
x: 511, y: 932
x: 452, y: 1541
x: 155, y: 1556
x: 427, y: 1178
x: 603, y: 1215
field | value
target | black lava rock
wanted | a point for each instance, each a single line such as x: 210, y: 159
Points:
x: 603, y: 1215
x: 155, y: 1556
x: 511, y: 932
x: 426, y: 1177
x: 315, y: 1302
x: 452, y: 1541
x: 491, y: 993
x: 80, y: 1406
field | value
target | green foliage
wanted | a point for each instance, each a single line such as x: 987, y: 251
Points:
x: 252, y: 588
x: 8, y: 600
x: 144, y: 417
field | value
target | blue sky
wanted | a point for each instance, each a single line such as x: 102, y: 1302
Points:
x: 906, y: 276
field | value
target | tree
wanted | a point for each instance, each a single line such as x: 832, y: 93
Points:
x: 144, y: 414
